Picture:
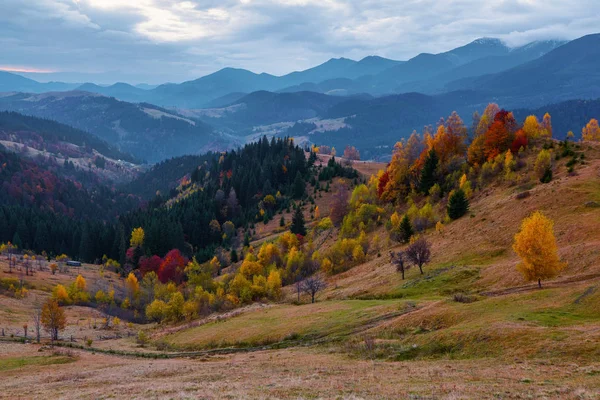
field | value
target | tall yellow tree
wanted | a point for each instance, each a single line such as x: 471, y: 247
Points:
x: 536, y: 245
x: 546, y: 126
x: 531, y: 127
x: 591, y: 131
x: 53, y: 318
x: 137, y: 237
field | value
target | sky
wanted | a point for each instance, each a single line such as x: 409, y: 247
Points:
x: 157, y: 41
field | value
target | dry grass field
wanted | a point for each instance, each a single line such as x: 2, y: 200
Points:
x: 299, y: 373
x: 469, y: 328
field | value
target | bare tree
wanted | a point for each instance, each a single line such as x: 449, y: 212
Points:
x: 400, y: 261
x: 419, y: 253
x: 312, y: 286
x: 37, y: 322
x: 339, y: 204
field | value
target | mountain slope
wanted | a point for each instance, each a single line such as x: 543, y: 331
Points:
x: 482, y: 66
x: 120, y: 90
x: 570, y: 71
x: 53, y: 132
x: 146, y: 131
x: 10, y: 82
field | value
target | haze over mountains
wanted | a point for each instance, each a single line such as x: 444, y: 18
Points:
x: 369, y: 103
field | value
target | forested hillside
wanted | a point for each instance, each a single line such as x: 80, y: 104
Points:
x: 148, y: 132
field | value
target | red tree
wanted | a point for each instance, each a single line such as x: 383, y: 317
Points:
x: 383, y: 181
x: 171, y: 269
x: 520, y: 141
x: 150, y: 264
x: 496, y: 140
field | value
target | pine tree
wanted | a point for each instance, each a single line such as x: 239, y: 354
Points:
x: 282, y: 221
x: 298, y: 227
x: 234, y: 256
x: 299, y: 186
x: 428, y: 173
x: 458, y: 205
x: 406, y: 230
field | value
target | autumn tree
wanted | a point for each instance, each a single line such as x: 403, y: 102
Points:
x: 546, y: 126
x: 133, y: 287
x: 591, y: 131
x: 53, y: 318
x: 536, y: 245
x: 351, y: 153
x: 419, y: 253
x: 497, y: 140
x: 137, y: 237
x: 531, y: 127
x: 543, y: 166
x: 339, y: 202
x: 519, y: 142
x: 172, y: 267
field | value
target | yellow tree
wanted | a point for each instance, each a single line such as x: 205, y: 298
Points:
x: 531, y: 127
x: 536, y: 245
x: 591, y: 131
x: 132, y: 285
x: 80, y: 283
x: 53, y: 318
x: 546, y: 126
x: 137, y: 237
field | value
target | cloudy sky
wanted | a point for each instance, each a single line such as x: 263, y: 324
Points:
x: 157, y: 41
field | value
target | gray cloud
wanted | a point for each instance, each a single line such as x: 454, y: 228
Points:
x: 170, y: 40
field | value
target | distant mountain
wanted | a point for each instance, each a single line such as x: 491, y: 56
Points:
x: 425, y: 66
x: 256, y: 111
x: 10, y: 82
x: 199, y: 92
x: 226, y: 100
x: 453, y: 70
x: 146, y: 86
x: 120, y: 90
x: 339, y: 68
x: 148, y: 132
x: 567, y: 72
x: 482, y: 66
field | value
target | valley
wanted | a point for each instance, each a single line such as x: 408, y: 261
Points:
x: 422, y: 229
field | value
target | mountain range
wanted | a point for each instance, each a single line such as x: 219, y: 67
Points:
x: 370, y: 103
x: 427, y: 73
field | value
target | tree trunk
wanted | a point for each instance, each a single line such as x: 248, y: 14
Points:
x: 402, y: 274
x: 421, y: 269
x: 313, y: 298
x: 540, y: 283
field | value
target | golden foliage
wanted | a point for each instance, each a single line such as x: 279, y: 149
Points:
x: 591, y: 131
x: 137, y: 237
x: 542, y: 163
x: 60, y: 294
x: 53, y: 318
x: 536, y: 245
x: 532, y: 127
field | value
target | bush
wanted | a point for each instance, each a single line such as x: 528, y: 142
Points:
x: 463, y: 298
